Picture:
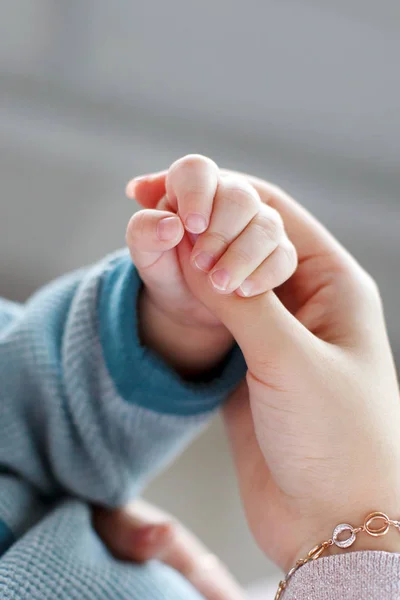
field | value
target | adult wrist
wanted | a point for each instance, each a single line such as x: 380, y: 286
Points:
x: 377, y: 532
x: 367, y: 531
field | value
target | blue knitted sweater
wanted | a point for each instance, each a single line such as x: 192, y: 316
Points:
x: 87, y: 414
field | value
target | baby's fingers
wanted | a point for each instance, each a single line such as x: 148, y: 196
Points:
x: 257, y: 260
x: 272, y: 273
x: 150, y: 233
x: 142, y: 532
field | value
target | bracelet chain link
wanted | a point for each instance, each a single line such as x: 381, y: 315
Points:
x: 368, y: 527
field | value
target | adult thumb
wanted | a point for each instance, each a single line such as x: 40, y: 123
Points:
x: 270, y: 337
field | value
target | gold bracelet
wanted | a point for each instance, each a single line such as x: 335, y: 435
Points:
x: 346, y: 543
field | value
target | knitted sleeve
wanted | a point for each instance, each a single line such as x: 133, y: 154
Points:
x: 84, y: 407
x: 353, y: 576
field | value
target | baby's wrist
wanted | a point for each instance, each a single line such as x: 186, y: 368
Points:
x: 192, y: 350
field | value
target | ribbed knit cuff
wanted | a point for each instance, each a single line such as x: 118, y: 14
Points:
x: 6, y: 537
x: 140, y: 376
x: 367, y: 575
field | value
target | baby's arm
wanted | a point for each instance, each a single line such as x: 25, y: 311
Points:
x: 84, y: 407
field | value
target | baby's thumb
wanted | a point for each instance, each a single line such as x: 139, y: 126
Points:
x: 270, y: 337
x: 150, y: 233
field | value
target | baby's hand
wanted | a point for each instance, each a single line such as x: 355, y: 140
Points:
x: 234, y: 237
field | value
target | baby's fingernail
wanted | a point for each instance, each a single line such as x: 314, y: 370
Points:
x: 204, y: 261
x: 168, y: 229
x: 246, y: 288
x: 151, y: 535
x: 220, y: 280
x: 141, y: 538
x: 196, y: 223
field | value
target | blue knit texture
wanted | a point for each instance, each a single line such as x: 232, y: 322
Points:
x: 62, y: 558
x: 86, y: 411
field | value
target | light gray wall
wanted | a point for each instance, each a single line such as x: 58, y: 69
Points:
x: 304, y: 92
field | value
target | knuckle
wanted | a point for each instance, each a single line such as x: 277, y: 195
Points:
x: 241, y: 193
x: 290, y: 254
x: 283, y: 265
x: 270, y: 224
x: 192, y: 178
x: 194, y: 192
x: 241, y: 256
x: 193, y: 162
x: 210, y: 237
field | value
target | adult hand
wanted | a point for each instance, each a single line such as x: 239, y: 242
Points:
x: 141, y: 532
x: 314, y: 431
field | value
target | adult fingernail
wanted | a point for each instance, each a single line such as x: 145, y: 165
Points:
x: 131, y: 185
x: 168, y: 229
x: 193, y: 237
x: 204, y: 261
x: 196, y: 223
x: 220, y: 280
x: 246, y: 288
x: 130, y: 189
x: 148, y: 176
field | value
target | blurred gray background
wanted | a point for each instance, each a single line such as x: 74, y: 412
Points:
x: 303, y: 92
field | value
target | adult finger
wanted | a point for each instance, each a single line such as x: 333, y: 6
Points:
x: 253, y: 475
x: 147, y: 189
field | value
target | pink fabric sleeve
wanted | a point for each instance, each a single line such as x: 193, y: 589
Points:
x: 354, y: 576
